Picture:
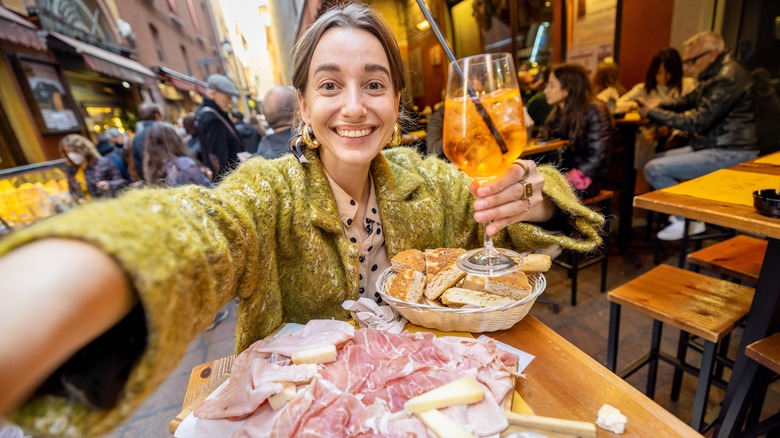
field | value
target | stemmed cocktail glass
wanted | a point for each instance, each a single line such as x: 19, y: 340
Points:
x: 484, y: 132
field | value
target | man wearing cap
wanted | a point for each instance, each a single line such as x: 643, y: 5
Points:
x: 220, y: 143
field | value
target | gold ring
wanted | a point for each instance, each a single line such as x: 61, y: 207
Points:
x: 525, y: 168
x: 528, y: 190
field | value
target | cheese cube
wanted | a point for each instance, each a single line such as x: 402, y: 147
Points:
x: 442, y: 425
x: 278, y: 401
x: 315, y: 355
x: 461, y: 391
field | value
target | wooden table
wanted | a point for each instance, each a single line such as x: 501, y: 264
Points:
x: 534, y: 148
x: 562, y: 382
x: 747, y: 379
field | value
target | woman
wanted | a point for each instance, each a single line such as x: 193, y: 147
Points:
x: 288, y: 237
x: 167, y: 162
x: 583, y: 120
x: 606, y: 83
x: 664, y: 81
x: 90, y: 175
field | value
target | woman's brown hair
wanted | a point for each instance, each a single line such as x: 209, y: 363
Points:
x: 162, y: 144
x: 348, y: 16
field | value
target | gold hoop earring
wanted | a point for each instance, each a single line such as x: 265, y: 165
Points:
x: 307, y: 134
x: 395, y: 140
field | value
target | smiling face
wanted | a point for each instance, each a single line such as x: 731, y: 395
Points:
x: 349, y: 99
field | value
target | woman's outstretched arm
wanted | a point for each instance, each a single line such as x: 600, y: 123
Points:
x: 58, y: 295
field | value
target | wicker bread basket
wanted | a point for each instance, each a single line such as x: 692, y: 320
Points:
x: 487, y: 319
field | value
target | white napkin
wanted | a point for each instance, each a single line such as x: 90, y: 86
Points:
x: 370, y: 314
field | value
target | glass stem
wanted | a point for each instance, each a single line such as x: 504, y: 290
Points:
x: 488, y: 250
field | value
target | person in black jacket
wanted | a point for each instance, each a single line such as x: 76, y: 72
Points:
x: 279, y: 110
x: 221, y: 145
x: 249, y: 134
x: 582, y: 119
x: 719, y: 115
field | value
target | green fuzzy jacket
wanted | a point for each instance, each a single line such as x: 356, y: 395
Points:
x: 270, y: 235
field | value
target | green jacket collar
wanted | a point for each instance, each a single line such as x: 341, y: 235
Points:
x: 393, y: 183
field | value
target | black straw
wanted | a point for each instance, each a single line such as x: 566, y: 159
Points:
x: 472, y: 94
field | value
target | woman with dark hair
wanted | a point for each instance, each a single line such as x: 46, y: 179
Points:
x: 664, y: 81
x: 582, y: 119
x: 292, y: 238
x: 167, y: 162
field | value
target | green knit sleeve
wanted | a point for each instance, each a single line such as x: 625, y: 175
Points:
x: 187, y: 252
x: 586, y: 222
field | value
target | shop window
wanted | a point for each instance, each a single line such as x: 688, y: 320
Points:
x: 157, y: 44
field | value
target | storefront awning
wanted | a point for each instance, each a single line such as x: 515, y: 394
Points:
x: 181, y: 81
x: 110, y: 64
x: 17, y: 30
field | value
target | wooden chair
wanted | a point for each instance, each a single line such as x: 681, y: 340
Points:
x: 738, y: 259
x: 696, y: 304
x: 573, y: 262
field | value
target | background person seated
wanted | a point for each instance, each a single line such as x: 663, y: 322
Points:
x: 582, y: 119
x: 719, y: 116
x: 664, y: 81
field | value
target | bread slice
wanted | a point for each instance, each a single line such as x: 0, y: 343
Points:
x: 514, y: 285
x: 407, y: 285
x: 457, y: 296
x: 409, y: 259
x: 439, y: 259
x: 432, y: 303
x: 441, y: 270
x: 536, y: 263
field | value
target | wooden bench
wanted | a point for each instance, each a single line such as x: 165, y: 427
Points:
x: 739, y: 258
x: 696, y: 304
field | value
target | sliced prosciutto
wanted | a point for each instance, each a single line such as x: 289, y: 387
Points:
x: 362, y: 393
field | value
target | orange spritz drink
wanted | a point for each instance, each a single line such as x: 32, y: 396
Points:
x: 484, y: 132
x: 469, y: 143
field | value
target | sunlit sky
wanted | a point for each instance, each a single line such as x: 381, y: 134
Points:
x: 243, y: 16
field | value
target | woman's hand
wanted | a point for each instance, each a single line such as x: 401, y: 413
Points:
x: 503, y: 200
x: 103, y: 185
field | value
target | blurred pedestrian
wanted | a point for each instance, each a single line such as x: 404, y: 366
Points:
x: 192, y: 142
x: 279, y: 110
x: 167, y: 162
x: 148, y: 114
x: 220, y: 144
x: 89, y: 174
x: 249, y: 134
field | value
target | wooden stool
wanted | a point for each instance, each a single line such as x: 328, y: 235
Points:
x: 767, y: 353
x: 571, y: 260
x: 739, y: 258
x: 694, y: 303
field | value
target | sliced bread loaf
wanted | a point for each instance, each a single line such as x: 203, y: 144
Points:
x: 407, y: 285
x: 409, y: 259
x: 514, y: 285
x: 457, y: 296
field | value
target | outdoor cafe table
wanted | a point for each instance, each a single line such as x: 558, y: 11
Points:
x: 561, y: 382
x: 764, y: 314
